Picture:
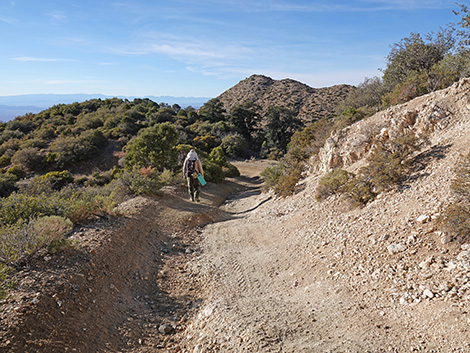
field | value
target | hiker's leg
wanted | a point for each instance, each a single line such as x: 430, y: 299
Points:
x: 190, y: 188
x: 197, y: 189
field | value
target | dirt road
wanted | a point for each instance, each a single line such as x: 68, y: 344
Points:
x: 263, y: 293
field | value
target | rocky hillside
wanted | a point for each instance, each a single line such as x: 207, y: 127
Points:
x: 311, y: 103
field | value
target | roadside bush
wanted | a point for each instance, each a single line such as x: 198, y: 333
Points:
x: 389, y: 162
x: 213, y: 172
x: 287, y: 182
x: 144, y: 181
x: 217, y: 156
x: 6, y: 283
x: 455, y: 219
x: 20, y: 208
x: 271, y: 176
x: 335, y: 182
x: 25, y: 238
x: 153, y: 147
x: 360, y: 192
x: 231, y: 171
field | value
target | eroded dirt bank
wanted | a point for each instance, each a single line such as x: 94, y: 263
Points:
x: 122, y: 281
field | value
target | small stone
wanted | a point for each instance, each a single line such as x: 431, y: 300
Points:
x: 423, y: 219
x: 446, y: 239
x: 165, y: 329
x: 396, y: 248
x: 428, y: 294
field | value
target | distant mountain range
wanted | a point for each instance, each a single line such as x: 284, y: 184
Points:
x: 13, y: 106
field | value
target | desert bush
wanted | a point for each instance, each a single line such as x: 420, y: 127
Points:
x: 29, y: 158
x: 6, y: 283
x: 231, y: 171
x: 286, y: 183
x: 20, y: 208
x: 217, y: 156
x: 334, y: 182
x: 271, y: 176
x: 7, y: 184
x: 50, y: 232
x: 455, y: 219
x: 70, y: 149
x: 389, y: 162
x: 213, y: 171
x: 17, y: 171
x: 154, y: 147
x: 5, y: 160
x: 360, y: 191
x: 234, y: 145
x: 57, y: 180
x: 24, y: 238
x: 143, y: 181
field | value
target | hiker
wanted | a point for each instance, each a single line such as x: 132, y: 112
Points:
x: 191, y: 167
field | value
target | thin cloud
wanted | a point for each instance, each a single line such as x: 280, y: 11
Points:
x: 322, y: 6
x: 58, y: 16
x: 34, y: 59
x: 64, y: 82
x: 8, y: 20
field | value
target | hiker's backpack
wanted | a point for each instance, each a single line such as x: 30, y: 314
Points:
x: 191, y: 167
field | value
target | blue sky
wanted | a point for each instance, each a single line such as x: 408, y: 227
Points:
x: 200, y: 48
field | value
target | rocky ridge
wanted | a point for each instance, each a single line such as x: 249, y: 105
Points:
x: 310, y: 103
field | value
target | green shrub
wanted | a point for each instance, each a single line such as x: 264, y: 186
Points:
x: 20, y: 208
x: 287, y: 183
x: 335, y: 182
x: 271, y: 176
x: 154, y: 147
x: 359, y: 191
x: 231, y: 171
x: 7, y: 184
x: 5, y: 160
x: 217, y: 156
x: 389, y: 162
x: 57, y: 180
x: 67, y: 150
x: 6, y: 283
x: 455, y: 219
x: 24, y: 238
x: 28, y: 158
x: 144, y: 181
x: 17, y: 171
x: 50, y: 232
x: 234, y: 145
x: 213, y: 172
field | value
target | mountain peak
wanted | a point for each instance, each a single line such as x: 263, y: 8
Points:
x: 310, y: 103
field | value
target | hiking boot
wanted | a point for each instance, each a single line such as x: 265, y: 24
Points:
x: 197, y: 199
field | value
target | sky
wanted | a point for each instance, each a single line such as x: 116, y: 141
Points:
x: 195, y: 48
